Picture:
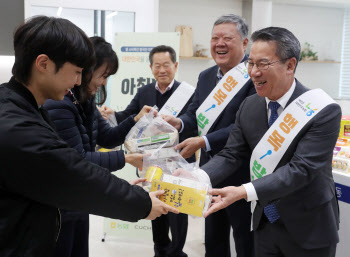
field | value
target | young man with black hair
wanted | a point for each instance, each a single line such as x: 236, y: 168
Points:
x: 39, y: 172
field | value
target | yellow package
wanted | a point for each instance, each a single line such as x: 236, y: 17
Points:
x: 153, y: 173
x: 345, y: 126
x: 186, y: 199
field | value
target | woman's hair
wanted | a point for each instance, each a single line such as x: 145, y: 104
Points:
x: 104, y: 54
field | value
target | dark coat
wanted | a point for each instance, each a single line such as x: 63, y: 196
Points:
x: 40, y: 173
x: 83, y: 132
x: 220, y: 130
x: 82, y: 129
x: 302, y: 181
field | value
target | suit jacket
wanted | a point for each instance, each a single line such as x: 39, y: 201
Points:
x: 302, y: 184
x: 220, y: 130
x: 147, y: 95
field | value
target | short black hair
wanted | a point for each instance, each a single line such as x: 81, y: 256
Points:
x: 163, y: 49
x: 104, y: 54
x: 288, y: 46
x: 58, y: 38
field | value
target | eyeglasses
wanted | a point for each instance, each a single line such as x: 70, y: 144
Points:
x: 262, y: 65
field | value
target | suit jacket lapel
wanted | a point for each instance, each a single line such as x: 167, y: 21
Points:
x: 176, y: 85
x: 152, y: 96
x: 261, y: 117
x: 212, y: 81
x: 299, y: 90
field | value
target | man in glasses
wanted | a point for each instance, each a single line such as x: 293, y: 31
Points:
x: 213, y: 112
x: 289, y: 133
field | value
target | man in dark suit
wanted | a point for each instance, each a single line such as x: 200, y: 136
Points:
x: 164, y: 66
x: 296, y: 211
x: 228, y: 44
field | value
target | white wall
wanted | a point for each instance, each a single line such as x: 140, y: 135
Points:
x: 200, y: 15
x: 323, y: 28
x: 146, y: 19
x: 320, y: 26
x: 6, y: 63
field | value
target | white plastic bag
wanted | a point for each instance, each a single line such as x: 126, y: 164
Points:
x: 151, y: 132
x: 187, y: 190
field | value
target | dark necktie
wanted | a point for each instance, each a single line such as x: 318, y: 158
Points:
x: 270, y: 210
x: 274, y: 115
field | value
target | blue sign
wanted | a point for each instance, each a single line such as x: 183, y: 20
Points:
x: 343, y: 193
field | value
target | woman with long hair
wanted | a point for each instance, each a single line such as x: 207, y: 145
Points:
x: 81, y: 125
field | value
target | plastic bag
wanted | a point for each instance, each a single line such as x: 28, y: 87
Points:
x: 151, y: 133
x: 187, y: 191
x: 112, y: 121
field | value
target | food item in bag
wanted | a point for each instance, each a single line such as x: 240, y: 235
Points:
x: 153, y: 172
x: 152, y: 142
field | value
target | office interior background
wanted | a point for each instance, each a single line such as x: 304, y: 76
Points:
x: 325, y: 24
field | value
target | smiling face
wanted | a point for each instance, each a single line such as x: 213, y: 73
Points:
x: 227, y: 47
x: 163, y: 69
x: 275, y: 81
x: 98, y: 79
x: 57, y: 84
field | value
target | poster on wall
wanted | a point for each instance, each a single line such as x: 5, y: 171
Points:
x: 134, y: 72
x: 134, y: 67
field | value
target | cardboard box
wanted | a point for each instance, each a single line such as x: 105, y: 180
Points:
x: 186, y: 199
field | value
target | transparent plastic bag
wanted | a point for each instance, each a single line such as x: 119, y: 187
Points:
x: 149, y: 133
x: 185, y: 185
x: 112, y: 121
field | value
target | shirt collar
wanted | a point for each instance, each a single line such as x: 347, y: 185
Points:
x: 167, y: 89
x: 219, y: 74
x: 285, y: 98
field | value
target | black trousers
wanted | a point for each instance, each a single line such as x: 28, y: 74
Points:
x: 73, y: 240
x: 217, y: 231
x: 273, y: 240
x: 163, y: 246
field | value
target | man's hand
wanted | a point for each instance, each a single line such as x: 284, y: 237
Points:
x: 182, y: 173
x: 225, y: 197
x: 137, y: 181
x: 158, y: 207
x: 190, y: 146
x: 175, y: 122
x: 135, y: 159
x: 145, y: 109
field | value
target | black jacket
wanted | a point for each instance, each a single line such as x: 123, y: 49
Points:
x: 39, y: 173
x: 82, y: 126
x: 83, y: 132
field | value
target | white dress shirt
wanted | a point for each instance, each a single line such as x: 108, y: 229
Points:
x: 167, y: 89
